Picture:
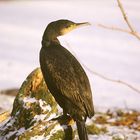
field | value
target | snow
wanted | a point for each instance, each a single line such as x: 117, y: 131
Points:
x: 39, y: 117
x: 102, y: 137
x: 43, y: 116
x: 6, y: 102
x: 29, y: 99
x: 20, y: 131
x: 38, y: 138
x: 54, y: 130
x: 114, y: 54
x: 44, y: 106
x: 53, y: 115
x: 117, y: 133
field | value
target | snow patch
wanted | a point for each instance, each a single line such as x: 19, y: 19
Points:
x: 53, y: 115
x: 44, y: 105
x: 54, y: 130
x: 64, y: 126
x: 21, y: 131
x: 39, y: 117
x: 29, y: 100
x: 38, y: 137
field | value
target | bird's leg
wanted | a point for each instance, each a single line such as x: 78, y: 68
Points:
x: 69, y: 119
x: 65, y: 113
x: 64, y: 119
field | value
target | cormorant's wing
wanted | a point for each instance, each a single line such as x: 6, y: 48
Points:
x: 66, y: 78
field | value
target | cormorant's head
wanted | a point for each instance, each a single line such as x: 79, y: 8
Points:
x: 61, y: 27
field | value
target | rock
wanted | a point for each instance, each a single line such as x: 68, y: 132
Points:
x: 4, y: 116
x: 33, y: 110
x: 10, y: 92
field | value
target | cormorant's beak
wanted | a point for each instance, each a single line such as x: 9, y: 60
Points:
x: 82, y: 24
x: 73, y: 26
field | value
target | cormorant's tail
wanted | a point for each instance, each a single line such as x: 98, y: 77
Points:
x: 82, y: 132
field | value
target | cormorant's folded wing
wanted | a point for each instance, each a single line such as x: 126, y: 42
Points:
x: 67, y: 77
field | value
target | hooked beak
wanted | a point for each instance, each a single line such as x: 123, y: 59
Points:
x: 82, y: 24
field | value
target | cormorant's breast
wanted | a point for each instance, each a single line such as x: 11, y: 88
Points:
x: 66, y: 80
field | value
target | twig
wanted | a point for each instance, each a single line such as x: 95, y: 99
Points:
x: 119, y: 29
x: 125, y: 16
x: 113, y: 28
x: 104, y: 77
x: 133, y: 32
x: 112, y: 80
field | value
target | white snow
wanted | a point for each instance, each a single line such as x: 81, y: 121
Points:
x: 44, y: 106
x: 39, y: 117
x: 111, y: 53
x: 20, y: 131
x: 6, y: 102
x: 53, y: 115
x: 54, y: 130
x: 29, y: 99
x: 114, y: 132
x: 102, y: 137
x: 38, y: 138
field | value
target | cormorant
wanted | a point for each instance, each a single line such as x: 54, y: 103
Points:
x: 64, y: 75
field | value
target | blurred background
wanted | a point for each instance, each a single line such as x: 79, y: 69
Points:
x: 114, y: 54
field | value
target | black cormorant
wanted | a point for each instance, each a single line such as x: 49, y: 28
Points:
x: 65, y: 77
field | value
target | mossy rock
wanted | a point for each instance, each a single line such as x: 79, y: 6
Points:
x: 4, y: 116
x: 33, y: 110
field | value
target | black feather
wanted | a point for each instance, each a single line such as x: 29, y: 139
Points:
x: 82, y: 132
x: 65, y: 77
x: 66, y: 80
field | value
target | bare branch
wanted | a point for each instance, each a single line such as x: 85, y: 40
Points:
x: 133, y: 32
x: 125, y: 16
x: 104, y: 77
x: 113, y: 28
x: 112, y: 80
x: 118, y: 29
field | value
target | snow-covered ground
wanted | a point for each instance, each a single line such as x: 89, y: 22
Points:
x: 111, y: 53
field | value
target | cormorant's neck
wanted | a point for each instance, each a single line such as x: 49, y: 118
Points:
x: 49, y: 37
x: 46, y: 42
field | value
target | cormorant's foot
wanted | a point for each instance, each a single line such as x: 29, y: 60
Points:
x: 64, y: 119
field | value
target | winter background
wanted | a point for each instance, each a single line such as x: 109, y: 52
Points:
x: 111, y: 53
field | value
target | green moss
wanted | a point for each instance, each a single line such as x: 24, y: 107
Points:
x: 59, y: 135
x: 93, y: 129
x: 27, y: 104
x: 117, y: 138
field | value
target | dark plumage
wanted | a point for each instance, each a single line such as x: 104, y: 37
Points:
x: 65, y: 77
